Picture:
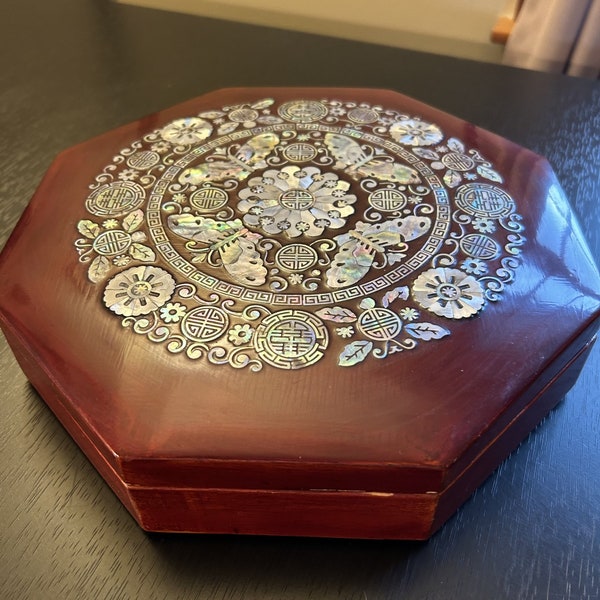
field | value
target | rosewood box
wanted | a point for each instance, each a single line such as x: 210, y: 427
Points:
x: 320, y: 312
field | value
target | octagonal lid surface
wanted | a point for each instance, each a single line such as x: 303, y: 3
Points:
x: 302, y: 281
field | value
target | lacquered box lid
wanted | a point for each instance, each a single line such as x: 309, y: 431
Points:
x: 297, y: 289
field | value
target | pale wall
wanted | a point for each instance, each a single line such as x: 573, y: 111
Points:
x: 453, y: 27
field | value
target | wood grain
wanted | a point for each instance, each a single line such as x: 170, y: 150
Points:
x: 71, y: 70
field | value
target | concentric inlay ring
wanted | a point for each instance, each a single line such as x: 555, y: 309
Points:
x: 271, y: 232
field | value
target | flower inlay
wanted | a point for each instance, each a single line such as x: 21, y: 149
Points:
x: 449, y: 293
x: 296, y: 201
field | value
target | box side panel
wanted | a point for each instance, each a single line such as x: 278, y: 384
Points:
x: 557, y: 371
x: 56, y: 402
x: 312, y: 513
x: 279, y: 475
x: 507, y: 441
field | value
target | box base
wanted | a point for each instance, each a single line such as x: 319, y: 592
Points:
x: 310, y: 513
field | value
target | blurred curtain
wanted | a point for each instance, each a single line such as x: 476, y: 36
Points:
x: 557, y: 35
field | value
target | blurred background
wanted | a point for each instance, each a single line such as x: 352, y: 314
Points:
x: 545, y: 35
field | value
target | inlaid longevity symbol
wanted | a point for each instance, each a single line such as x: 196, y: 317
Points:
x: 291, y: 339
x: 115, y: 199
x: 205, y: 323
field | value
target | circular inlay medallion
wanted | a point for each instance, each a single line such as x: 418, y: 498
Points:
x: 112, y: 242
x: 457, y: 161
x: 205, y: 323
x: 380, y: 324
x: 296, y: 257
x: 296, y: 199
x: 270, y: 232
x: 479, y: 245
x: 303, y: 111
x: 208, y: 199
x: 300, y: 152
x: 115, y: 199
x: 363, y: 115
x: 291, y: 339
x: 143, y: 160
x: 387, y: 200
x: 484, y: 200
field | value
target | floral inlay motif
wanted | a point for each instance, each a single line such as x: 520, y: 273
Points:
x: 183, y: 132
x: 449, y: 293
x: 138, y: 291
x: 278, y: 234
x: 416, y: 133
x: 382, y: 330
x: 296, y: 202
x: 240, y: 334
x: 112, y: 244
x: 172, y: 312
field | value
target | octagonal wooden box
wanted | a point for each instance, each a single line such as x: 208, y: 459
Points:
x: 299, y: 311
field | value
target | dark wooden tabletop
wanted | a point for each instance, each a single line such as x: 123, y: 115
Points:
x: 71, y: 69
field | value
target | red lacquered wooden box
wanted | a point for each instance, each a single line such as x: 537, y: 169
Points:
x: 322, y: 312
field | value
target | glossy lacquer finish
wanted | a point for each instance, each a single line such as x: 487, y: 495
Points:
x: 363, y: 430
